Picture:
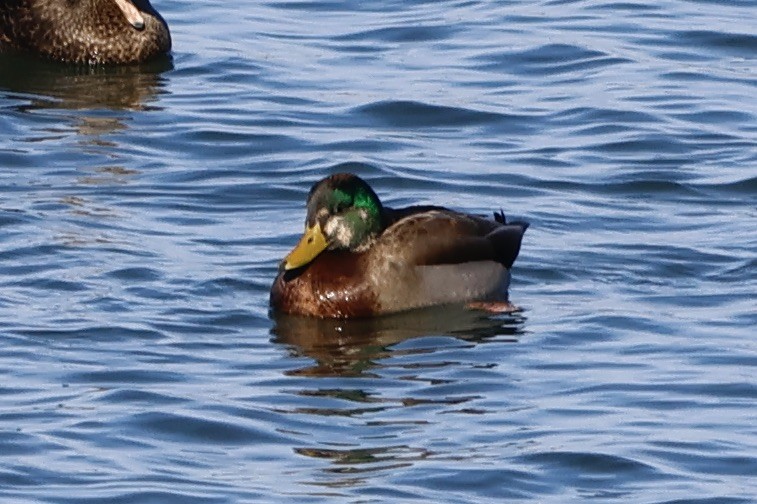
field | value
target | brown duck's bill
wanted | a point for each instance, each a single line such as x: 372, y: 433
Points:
x: 131, y: 13
x: 312, y: 243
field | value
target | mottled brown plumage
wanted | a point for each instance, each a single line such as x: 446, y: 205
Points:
x: 360, y: 259
x: 84, y: 31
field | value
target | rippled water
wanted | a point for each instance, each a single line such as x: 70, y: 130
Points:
x: 144, y: 211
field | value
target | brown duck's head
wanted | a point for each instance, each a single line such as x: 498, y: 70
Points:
x: 343, y: 213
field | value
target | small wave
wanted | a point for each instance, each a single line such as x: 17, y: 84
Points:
x: 737, y: 44
x: 590, y: 462
x: 413, y: 114
x: 107, y: 333
x: 125, y: 376
x: 550, y: 59
x: 194, y: 429
x: 418, y: 33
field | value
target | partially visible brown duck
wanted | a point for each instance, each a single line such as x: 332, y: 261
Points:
x: 84, y: 31
x: 359, y: 258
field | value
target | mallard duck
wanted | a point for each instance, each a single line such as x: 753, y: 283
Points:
x: 84, y: 31
x: 359, y: 258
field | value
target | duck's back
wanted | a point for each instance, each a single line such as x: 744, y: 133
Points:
x: 82, y: 32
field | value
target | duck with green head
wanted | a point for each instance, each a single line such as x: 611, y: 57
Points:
x: 358, y: 258
x: 91, y: 32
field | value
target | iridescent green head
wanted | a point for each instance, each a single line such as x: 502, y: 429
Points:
x: 343, y: 213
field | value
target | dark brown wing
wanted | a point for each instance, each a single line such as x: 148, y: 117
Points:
x: 435, y: 235
x: 393, y: 215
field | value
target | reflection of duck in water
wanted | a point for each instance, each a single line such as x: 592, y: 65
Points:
x: 76, y: 87
x: 84, y: 31
x: 359, y: 258
x: 354, y: 347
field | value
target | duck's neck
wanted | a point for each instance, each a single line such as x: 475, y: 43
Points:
x: 354, y: 230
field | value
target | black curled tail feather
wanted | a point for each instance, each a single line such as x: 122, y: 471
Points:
x: 500, y: 217
x: 506, y: 239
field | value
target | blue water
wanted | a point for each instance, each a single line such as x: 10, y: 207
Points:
x: 143, y: 212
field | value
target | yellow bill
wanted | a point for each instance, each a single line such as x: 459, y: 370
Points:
x: 312, y: 243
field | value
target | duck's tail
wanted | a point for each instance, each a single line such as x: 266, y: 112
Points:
x: 506, y: 239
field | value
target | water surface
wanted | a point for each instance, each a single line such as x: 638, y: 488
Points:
x: 144, y: 211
